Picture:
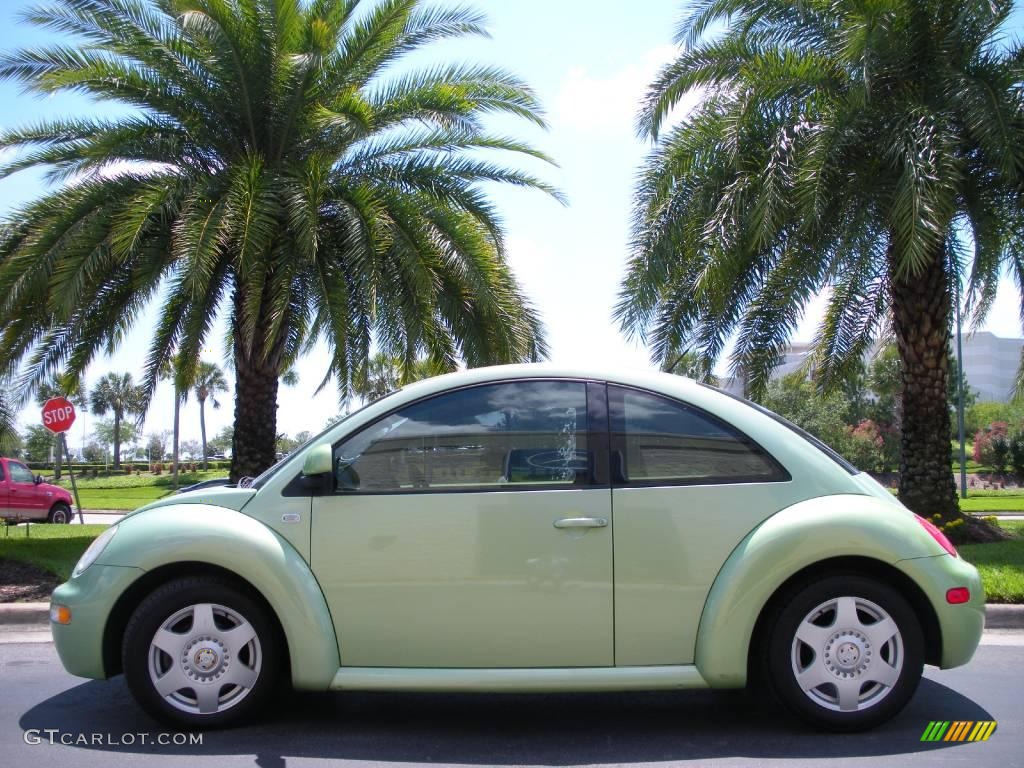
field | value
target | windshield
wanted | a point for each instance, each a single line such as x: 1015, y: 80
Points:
x: 823, y: 447
x: 273, y: 469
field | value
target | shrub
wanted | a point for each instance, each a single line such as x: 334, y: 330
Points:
x: 984, y: 440
x: 1017, y: 455
x: 1000, y: 453
x: 872, y: 447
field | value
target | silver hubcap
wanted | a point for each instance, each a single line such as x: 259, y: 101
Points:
x: 204, y: 659
x: 847, y: 654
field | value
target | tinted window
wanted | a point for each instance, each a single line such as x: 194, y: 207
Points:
x: 20, y: 473
x: 491, y: 437
x: 660, y: 441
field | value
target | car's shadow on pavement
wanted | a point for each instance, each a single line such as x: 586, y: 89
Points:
x: 555, y: 729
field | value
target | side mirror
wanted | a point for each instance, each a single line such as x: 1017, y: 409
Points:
x: 37, y: 479
x: 319, y: 460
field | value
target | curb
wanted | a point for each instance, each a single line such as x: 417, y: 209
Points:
x: 24, y: 613
x: 997, y: 616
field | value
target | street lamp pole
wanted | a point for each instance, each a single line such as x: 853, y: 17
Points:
x: 960, y: 393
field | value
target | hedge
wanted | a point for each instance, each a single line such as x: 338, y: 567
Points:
x: 136, y: 466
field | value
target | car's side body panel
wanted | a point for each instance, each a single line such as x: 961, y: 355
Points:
x: 797, y: 537
x: 536, y: 680
x: 249, y: 549
x: 960, y: 626
x: 670, y: 544
x: 467, y: 580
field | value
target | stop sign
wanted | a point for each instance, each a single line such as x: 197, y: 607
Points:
x: 58, y: 414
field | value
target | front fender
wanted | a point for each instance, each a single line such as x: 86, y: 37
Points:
x: 796, y: 537
x: 228, y: 539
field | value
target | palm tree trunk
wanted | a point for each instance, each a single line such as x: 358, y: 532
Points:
x: 252, y: 445
x: 117, y: 440
x: 921, y: 306
x: 177, y: 435
x: 256, y: 380
x: 202, y: 430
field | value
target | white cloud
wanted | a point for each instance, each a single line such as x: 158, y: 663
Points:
x: 591, y: 102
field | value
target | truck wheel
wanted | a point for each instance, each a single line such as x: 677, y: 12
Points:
x: 201, y: 653
x: 60, y: 514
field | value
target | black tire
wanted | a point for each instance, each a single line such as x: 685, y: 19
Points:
x: 60, y: 514
x: 784, y: 656
x: 177, y: 596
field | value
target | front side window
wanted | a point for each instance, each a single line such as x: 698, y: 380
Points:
x: 20, y: 473
x: 658, y: 441
x: 494, y: 437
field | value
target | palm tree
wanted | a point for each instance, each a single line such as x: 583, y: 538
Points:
x: 384, y: 373
x: 173, y: 369
x: 276, y: 169
x: 209, y: 381
x: 9, y: 438
x: 845, y: 146
x: 116, y: 393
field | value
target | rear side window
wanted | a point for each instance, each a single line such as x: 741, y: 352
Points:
x: 494, y: 437
x: 659, y: 441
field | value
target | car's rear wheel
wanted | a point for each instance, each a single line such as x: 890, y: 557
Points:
x: 200, y: 652
x: 845, y: 652
x: 60, y: 514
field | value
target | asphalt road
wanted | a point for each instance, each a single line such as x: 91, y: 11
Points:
x: 695, y: 727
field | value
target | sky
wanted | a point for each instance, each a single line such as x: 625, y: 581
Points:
x: 590, y: 62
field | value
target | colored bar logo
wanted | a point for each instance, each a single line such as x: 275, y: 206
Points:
x: 959, y: 730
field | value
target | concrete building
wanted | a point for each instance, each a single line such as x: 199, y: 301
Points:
x: 990, y: 365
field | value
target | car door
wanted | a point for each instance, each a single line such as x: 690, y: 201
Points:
x: 686, y: 489
x: 472, y: 529
x: 24, y: 496
x: 5, y: 508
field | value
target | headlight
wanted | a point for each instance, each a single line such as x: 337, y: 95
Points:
x: 95, y: 550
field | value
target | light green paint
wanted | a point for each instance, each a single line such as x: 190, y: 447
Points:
x: 582, y: 679
x: 250, y: 549
x: 466, y: 579
x: 797, y: 537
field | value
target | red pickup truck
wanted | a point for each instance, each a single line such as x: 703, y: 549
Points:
x: 24, y: 496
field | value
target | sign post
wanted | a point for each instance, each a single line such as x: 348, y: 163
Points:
x: 58, y: 416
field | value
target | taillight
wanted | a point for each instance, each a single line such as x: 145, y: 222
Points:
x: 958, y: 595
x: 938, y: 535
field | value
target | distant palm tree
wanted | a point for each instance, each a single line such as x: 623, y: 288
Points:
x: 208, y: 382
x: 280, y: 168
x: 384, y: 373
x: 841, y: 145
x: 174, y: 371
x: 117, y: 394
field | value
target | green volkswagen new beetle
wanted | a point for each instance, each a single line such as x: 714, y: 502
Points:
x: 529, y: 528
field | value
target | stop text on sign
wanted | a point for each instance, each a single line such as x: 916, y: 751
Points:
x: 58, y: 414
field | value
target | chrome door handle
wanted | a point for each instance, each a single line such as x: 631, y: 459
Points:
x: 581, y: 522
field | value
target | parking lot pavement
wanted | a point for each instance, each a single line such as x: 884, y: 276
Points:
x: 102, y: 726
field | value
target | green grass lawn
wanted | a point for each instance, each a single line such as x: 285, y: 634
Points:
x: 1001, y: 565
x: 129, y: 492
x: 55, y: 548
x: 992, y: 504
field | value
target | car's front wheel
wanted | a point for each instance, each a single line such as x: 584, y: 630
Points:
x: 845, y: 652
x: 200, y: 652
